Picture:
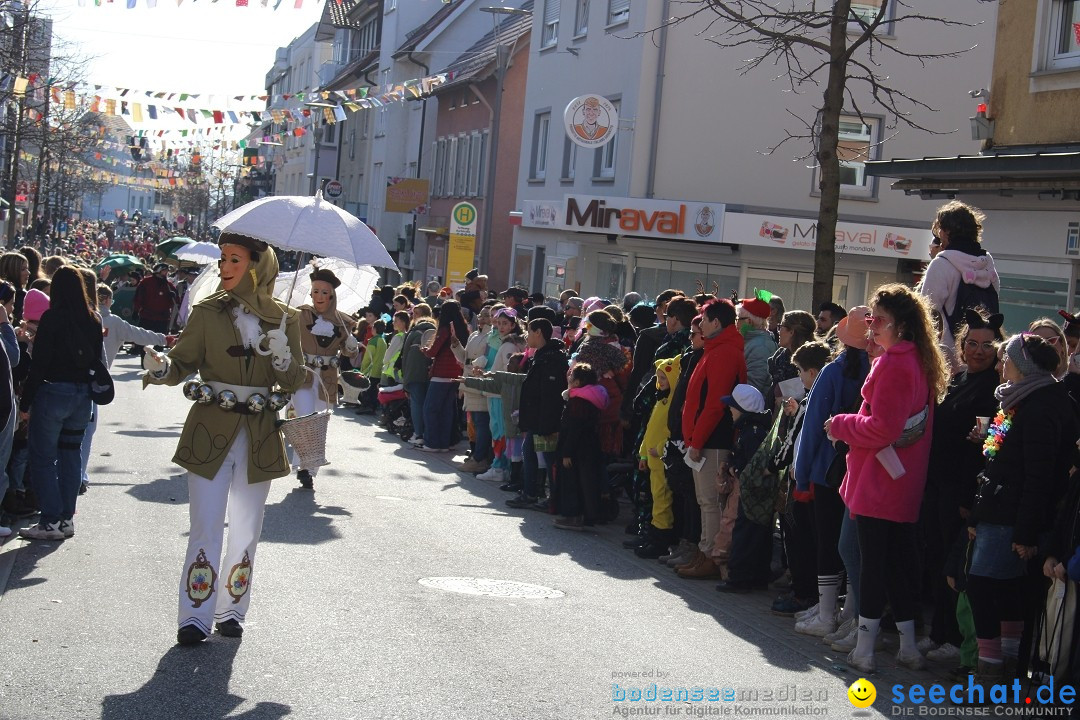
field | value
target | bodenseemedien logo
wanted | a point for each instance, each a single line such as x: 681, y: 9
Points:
x: 998, y: 700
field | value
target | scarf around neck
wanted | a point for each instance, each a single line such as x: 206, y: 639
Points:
x: 1012, y: 394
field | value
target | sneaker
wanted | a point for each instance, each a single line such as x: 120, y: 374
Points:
x: 542, y: 505
x: 569, y: 523
x: 493, y: 474
x: 521, y: 502
x: 914, y: 661
x: 947, y: 653
x: 841, y: 632
x: 5, y: 531
x: 926, y: 645
x: 864, y: 664
x: 788, y: 605
x: 400, y: 422
x: 68, y: 528
x: 816, y: 626
x: 473, y: 466
x: 848, y: 642
x: 676, y: 551
x: 415, y: 440
x: 424, y: 448
x: 42, y: 531
x: 807, y: 614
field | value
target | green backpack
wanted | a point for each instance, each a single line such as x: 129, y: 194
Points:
x: 757, y: 485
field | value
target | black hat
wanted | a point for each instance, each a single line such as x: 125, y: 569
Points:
x: 229, y: 238
x: 1072, y: 324
x: 516, y: 292
x: 472, y: 274
x: 537, y: 297
x: 326, y: 276
x: 158, y: 267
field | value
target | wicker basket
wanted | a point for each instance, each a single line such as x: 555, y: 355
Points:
x: 307, y: 435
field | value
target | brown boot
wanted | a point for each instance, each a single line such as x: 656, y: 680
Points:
x: 706, y: 569
x: 697, y: 557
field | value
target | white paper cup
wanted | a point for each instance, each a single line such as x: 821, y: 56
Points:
x: 983, y: 424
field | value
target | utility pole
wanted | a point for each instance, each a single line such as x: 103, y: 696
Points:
x: 43, y: 154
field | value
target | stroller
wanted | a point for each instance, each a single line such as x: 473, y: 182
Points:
x: 395, y: 407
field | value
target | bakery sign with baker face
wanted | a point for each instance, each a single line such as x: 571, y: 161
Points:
x: 591, y: 121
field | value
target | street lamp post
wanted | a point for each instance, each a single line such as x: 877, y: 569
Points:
x: 503, y: 53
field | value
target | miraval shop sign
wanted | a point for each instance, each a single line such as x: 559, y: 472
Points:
x: 851, y: 238
x: 665, y: 219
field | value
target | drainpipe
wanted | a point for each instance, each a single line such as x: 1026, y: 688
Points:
x: 419, y: 156
x: 650, y: 187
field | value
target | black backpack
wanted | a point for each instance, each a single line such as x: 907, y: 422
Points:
x: 971, y: 296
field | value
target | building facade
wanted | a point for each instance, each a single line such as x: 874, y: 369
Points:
x: 690, y: 189
x: 1026, y: 178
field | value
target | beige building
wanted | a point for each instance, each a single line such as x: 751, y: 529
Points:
x: 698, y: 195
x: 1027, y: 176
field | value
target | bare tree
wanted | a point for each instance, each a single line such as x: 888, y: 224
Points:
x: 839, y: 49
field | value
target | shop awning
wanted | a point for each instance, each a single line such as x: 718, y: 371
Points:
x: 1005, y: 173
x: 434, y: 230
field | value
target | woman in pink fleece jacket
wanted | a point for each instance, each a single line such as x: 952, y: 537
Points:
x: 890, y: 448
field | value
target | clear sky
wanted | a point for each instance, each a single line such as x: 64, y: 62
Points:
x: 196, y: 47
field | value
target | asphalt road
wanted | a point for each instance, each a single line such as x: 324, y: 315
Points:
x: 341, y: 626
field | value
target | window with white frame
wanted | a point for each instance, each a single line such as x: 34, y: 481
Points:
x: 569, y: 158
x: 859, y: 141
x: 549, y: 35
x: 581, y: 18
x: 481, y: 181
x: 540, y: 146
x: 1063, y: 41
x: 391, y: 5
x: 618, y: 11
x: 438, y: 151
x: 476, y: 151
x: 605, y: 156
x: 865, y: 11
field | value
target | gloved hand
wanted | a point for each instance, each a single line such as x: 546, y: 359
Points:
x: 352, y: 345
x: 155, y: 363
x: 277, y: 342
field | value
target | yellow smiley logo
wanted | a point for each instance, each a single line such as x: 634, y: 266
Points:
x: 862, y: 693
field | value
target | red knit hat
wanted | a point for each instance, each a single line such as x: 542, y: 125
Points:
x: 756, y: 307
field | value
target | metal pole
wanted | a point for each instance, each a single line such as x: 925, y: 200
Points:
x: 315, y: 170
x: 502, y: 58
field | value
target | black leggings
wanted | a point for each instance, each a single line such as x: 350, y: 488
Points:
x: 829, y: 512
x: 994, y: 601
x: 889, y: 567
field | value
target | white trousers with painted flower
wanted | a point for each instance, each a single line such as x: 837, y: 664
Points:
x: 211, y: 588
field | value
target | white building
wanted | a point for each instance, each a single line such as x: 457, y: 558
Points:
x: 699, y: 197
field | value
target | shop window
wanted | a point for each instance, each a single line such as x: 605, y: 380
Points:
x: 549, y: 35
x: 796, y: 288
x: 610, y: 275
x: 859, y: 141
x: 541, y: 125
x: 581, y: 18
x: 654, y: 275
x: 618, y: 11
x: 523, y: 266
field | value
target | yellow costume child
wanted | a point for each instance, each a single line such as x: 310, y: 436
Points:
x: 654, y: 441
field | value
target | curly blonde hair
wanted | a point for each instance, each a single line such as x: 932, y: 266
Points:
x: 912, y: 314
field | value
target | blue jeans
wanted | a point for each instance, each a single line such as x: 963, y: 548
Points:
x: 88, y: 439
x: 482, y: 424
x: 417, y: 392
x: 58, y: 419
x: 852, y: 557
x: 6, y: 438
x: 439, y: 414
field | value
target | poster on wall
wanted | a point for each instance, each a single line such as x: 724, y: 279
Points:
x: 462, y: 245
x: 851, y: 238
x: 591, y: 121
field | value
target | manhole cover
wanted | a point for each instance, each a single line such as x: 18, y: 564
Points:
x: 491, y: 588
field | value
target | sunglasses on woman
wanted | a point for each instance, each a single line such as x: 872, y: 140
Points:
x: 876, y: 320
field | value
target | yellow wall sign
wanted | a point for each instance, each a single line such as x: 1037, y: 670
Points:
x: 407, y: 195
x: 462, y: 250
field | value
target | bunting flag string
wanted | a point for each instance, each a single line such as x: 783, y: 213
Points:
x: 152, y: 4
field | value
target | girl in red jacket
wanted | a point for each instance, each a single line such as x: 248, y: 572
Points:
x: 886, y: 467
x: 442, y: 390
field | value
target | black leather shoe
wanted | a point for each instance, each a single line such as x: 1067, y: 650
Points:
x: 738, y: 588
x: 651, y: 550
x: 635, y: 542
x: 510, y: 487
x: 189, y: 635
x: 230, y: 628
x: 521, y: 502
x: 306, y: 481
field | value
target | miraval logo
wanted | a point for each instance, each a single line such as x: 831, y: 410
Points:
x: 598, y: 215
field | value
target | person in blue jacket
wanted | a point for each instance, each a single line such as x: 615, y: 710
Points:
x: 837, y: 390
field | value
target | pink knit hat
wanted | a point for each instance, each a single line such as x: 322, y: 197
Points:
x: 34, y: 305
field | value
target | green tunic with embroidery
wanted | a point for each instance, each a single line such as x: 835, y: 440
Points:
x: 211, y: 346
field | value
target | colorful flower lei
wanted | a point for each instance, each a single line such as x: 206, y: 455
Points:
x: 998, y: 430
